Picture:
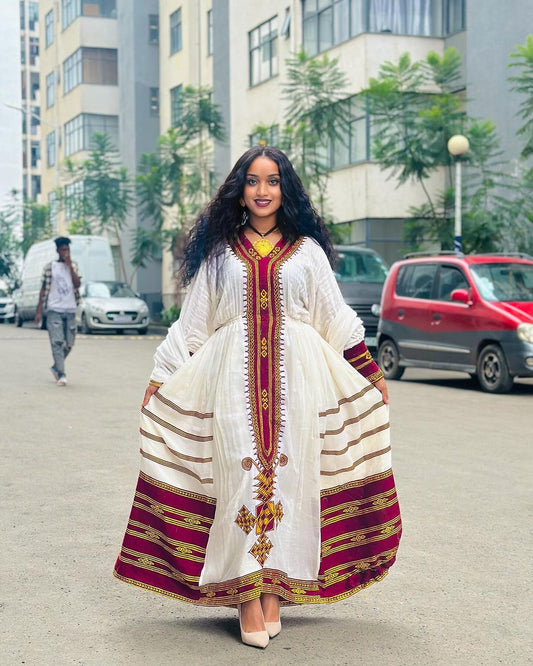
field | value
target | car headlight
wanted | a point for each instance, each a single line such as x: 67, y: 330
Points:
x: 96, y: 309
x: 143, y: 309
x: 525, y: 332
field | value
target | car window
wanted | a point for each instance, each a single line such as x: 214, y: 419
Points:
x: 416, y: 280
x: 504, y: 281
x: 3, y: 293
x: 450, y: 278
x: 98, y: 290
x: 359, y: 267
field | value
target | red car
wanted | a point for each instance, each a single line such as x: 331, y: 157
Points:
x: 469, y: 313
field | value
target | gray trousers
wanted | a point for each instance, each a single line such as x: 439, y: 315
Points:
x: 62, y: 331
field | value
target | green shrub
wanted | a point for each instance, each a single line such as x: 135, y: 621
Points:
x: 170, y: 315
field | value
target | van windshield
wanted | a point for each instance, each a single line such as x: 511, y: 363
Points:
x: 504, y: 281
x: 359, y: 267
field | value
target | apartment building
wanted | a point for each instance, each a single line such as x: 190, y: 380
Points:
x: 253, y: 40
x: 11, y: 109
x: 31, y: 99
x: 79, y: 88
x: 186, y: 58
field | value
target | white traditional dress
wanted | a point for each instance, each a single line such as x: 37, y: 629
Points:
x: 266, y: 463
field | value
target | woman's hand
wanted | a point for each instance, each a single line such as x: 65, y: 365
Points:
x: 150, y: 390
x: 381, y: 386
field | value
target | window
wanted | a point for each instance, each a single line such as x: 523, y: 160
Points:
x: 80, y: 130
x: 51, y: 149
x: 70, y: 10
x: 154, y: 101
x: 330, y: 22
x: 22, y: 51
x: 49, y: 28
x: 34, y: 85
x: 34, y: 50
x: 263, y: 45
x: 175, y: 31
x: 450, y: 278
x: 268, y: 137
x: 351, y: 147
x: 50, y: 90
x: 455, y: 16
x: 416, y: 280
x: 98, y: 66
x: 100, y: 8
x: 52, y: 202
x: 153, y: 29
x: 35, y: 154
x: 33, y: 15
x: 175, y: 105
x: 72, y: 72
x: 210, y: 32
x: 74, y: 200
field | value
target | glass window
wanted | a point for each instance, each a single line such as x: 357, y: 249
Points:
x: 52, y: 202
x: 500, y: 281
x: 351, y: 146
x: 175, y: 31
x: 22, y: 10
x: 267, y: 137
x: 35, y: 153
x: 34, y: 50
x: 450, y: 278
x: 153, y: 28
x: 100, y: 8
x: 51, y: 149
x: 50, y: 90
x: 80, y: 130
x: 455, y: 16
x: 34, y: 85
x: 49, y: 28
x: 70, y: 10
x: 154, y: 101
x: 263, y: 47
x: 72, y: 71
x: 330, y: 22
x: 74, y: 200
x: 416, y: 280
x: 175, y: 105
x: 100, y: 66
x: 210, y: 32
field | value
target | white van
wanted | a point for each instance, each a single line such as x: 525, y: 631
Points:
x: 91, y: 253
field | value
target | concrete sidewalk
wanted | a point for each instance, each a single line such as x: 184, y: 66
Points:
x: 458, y: 594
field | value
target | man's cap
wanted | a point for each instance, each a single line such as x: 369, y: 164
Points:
x: 61, y: 241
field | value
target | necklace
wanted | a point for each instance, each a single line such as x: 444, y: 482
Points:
x: 262, y: 245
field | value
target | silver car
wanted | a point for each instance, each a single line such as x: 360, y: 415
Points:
x: 111, y: 306
x: 7, y: 306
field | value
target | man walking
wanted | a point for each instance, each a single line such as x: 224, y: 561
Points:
x: 58, y: 299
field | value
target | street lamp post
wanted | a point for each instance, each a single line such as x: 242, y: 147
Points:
x: 457, y: 146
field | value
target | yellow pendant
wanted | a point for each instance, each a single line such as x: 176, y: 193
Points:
x: 263, y: 247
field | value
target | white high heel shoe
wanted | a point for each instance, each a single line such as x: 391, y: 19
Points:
x: 254, y: 638
x: 273, y: 628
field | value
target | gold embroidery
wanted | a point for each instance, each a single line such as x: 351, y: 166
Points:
x: 245, y: 520
x: 264, y: 399
x: 263, y: 299
x: 261, y: 549
x: 264, y: 349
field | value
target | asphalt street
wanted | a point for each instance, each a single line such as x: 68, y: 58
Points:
x: 459, y: 594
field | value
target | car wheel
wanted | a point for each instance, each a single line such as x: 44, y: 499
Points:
x: 84, y: 325
x: 389, y: 360
x: 142, y: 331
x: 492, y: 371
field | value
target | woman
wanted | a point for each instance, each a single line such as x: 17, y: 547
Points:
x: 265, y: 475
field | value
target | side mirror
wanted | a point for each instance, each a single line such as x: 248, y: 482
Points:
x: 460, y: 296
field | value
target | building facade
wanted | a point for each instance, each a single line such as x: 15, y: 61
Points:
x: 12, y: 44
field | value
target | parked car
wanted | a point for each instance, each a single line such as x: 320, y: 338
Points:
x: 7, y: 305
x: 92, y: 254
x: 469, y: 313
x: 111, y: 305
x: 360, y: 274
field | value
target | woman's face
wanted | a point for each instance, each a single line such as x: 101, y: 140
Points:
x: 262, y: 190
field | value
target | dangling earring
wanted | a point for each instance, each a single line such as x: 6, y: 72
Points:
x: 244, y: 219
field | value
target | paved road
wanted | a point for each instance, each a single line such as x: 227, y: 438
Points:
x: 457, y: 595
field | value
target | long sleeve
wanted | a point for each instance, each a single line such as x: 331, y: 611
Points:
x: 339, y: 324
x: 192, y: 329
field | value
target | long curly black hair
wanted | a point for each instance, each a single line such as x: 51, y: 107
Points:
x: 219, y: 223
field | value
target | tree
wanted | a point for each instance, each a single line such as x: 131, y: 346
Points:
x: 175, y: 182
x: 523, y: 84
x: 9, y: 243
x: 415, y: 110
x: 104, y: 194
